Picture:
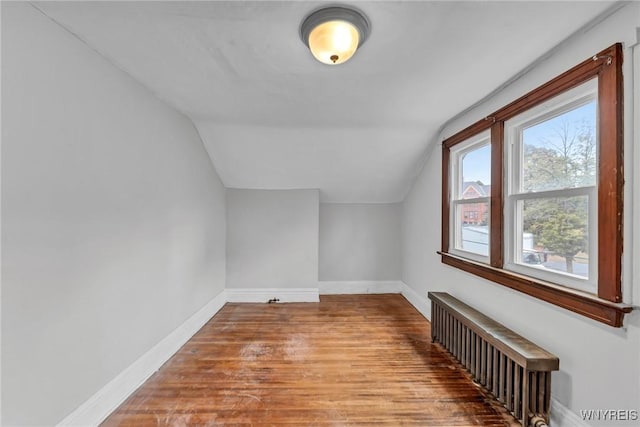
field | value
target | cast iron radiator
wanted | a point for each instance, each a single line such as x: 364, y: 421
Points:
x: 515, y: 370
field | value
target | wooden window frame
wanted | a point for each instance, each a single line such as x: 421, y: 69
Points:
x: 606, y: 306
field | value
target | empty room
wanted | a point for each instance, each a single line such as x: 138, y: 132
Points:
x: 313, y: 213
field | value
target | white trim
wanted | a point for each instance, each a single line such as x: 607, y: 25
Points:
x: 265, y: 294
x: 360, y: 287
x: 420, y: 303
x: 108, y: 398
x: 561, y: 416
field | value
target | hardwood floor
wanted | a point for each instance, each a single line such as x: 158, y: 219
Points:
x: 348, y: 360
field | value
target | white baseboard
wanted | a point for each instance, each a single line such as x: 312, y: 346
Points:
x: 561, y: 416
x: 108, y: 398
x: 360, y: 287
x: 421, y: 303
x: 265, y: 294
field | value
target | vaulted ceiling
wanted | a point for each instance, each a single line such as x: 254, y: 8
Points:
x: 271, y: 117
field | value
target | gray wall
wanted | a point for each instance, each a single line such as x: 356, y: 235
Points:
x: 113, y: 220
x: 272, y: 238
x: 598, y: 364
x: 360, y: 241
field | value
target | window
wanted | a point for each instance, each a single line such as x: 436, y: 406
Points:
x: 470, y: 198
x: 532, y: 194
x: 551, y: 199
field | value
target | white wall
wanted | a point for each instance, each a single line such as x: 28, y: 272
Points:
x: 272, y: 238
x: 598, y: 364
x: 113, y: 220
x: 360, y: 241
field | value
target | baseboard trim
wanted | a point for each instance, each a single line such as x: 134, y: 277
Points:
x: 258, y: 295
x: 561, y: 416
x: 360, y: 287
x: 98, y: 407
x: 420, y: 303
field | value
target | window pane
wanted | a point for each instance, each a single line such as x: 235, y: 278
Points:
x: 472, y: 227
x: 554, y: 234
x: 476, y: 173
x: 560, y: 152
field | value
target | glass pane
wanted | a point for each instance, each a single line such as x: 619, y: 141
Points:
x: 476, y: 173
x: 555, y: 234
x: 472, y: 226
x: 560, y: 152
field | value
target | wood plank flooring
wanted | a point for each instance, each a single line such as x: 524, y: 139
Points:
x: 349, y: 360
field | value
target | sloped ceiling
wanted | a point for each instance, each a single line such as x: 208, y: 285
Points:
x: 271, y: 117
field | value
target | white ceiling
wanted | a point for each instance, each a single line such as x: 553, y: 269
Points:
x: 271, y: 117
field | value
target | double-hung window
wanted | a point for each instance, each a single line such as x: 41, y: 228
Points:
x: 532, y: 194
x: 551, y: 199
x: 470, y: 198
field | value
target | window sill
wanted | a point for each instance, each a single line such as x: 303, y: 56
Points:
x: 588, y: 305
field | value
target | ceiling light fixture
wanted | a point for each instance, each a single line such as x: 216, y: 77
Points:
x: 334, y: 33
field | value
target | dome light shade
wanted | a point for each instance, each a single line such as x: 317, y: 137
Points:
x: 334, y: 42
x: 333, y: 34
